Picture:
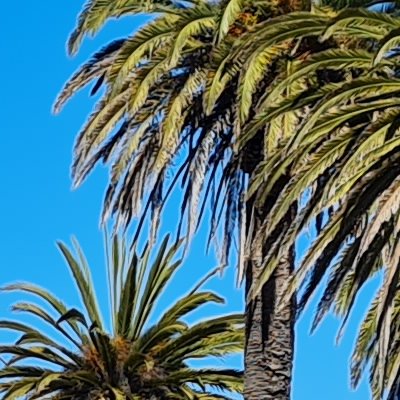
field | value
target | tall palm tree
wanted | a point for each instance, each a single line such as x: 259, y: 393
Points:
x: 137, y: 359
x: 191, y: 85
x: 347, y: 153
x: 181, y: 81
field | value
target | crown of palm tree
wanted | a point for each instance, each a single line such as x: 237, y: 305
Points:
x: 183, y: 87
x: 137, y: 360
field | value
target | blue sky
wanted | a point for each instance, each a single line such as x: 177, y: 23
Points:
x: 38, y: 206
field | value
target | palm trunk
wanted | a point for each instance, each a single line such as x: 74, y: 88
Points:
x: 269, y: 333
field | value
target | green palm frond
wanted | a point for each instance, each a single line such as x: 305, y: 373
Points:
x: 254, y: 71
x: 228, y: 16
x: 97, y: 12
x: 82, y: 277
x: 361, y: 18
x: 45, y: 295
x: 96, y: 68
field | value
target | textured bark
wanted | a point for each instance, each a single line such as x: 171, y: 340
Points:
x: 269, y: 333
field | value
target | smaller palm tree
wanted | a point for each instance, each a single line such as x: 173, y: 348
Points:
x: 137, y: 360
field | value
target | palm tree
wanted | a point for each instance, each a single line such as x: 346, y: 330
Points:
x: 165, y: 89
x: 347, y: 152
x: 180, y: 81
x: 195, y: 82
x: 137, y: 360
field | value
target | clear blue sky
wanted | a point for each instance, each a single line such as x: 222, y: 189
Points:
x: 38, y: 207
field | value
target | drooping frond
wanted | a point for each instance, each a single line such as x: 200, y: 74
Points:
x: 97, y: 67
x: 97, y: 12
